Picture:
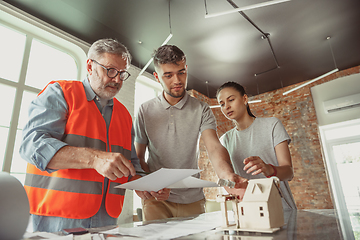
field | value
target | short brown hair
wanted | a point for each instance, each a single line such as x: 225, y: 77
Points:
x: 168, y: 54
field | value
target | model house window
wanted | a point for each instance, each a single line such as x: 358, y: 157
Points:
x: 30, y: 58
x: 261, y: 211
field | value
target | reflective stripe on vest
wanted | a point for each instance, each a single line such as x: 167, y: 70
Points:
x: 63, y: 184
x: 82, y: 141
x: 77, y: 193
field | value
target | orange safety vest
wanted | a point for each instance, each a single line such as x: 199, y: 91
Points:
x: 77, y: 193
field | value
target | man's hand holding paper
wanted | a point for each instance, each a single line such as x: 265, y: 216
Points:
x: 161, y: 195
x: 240, y: 185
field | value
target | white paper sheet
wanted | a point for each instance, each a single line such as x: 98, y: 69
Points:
x: 191, y: 182
x: 46, y: 235
x: 172, y: 229
x: 163, y: 178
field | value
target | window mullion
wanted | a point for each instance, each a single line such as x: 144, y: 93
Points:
x: 16, y: 108
x: 25, y: 61
x: 8, y: 82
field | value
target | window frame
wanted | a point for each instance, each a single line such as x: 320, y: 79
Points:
x: 333, y: 174
x: 34, y: 28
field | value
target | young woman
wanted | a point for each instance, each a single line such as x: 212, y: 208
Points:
x: 258, y: 147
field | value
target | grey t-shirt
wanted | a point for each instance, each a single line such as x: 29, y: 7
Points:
x: 259, y: 139
x: 172, y: 135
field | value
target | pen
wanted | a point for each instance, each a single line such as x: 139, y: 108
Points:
x: 226, y: 183
x: 143, y: 172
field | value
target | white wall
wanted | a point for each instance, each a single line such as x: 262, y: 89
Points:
x: 337, y: 88
x: 127, y: 93
x: 127, y: 97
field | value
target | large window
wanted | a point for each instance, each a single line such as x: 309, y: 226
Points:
x: 30, y: 58
x: 12, y: 46
x: 46, y: 62
x: 7, y: 94
x: 341, y: 143
x: 145, y: 89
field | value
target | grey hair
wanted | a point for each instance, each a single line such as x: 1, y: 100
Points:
x: 108, y: 45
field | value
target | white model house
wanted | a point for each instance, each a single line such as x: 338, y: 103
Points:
x: 261, y: 208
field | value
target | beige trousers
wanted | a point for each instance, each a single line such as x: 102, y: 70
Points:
x: 153, y: 209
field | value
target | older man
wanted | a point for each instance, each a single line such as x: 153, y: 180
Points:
x: 78, y: 143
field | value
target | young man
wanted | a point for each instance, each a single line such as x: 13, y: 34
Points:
x: 78, y: 143
x: 170, y: 126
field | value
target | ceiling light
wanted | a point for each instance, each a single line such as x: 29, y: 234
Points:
x: 320, y: 77
x: 146, y: 66
x: 165, y: 42
x: 167, y: 39
x: 215, y: 106
x: 264, y: 4
x: 253, y: 101
x: 150, y: 61
x: 311, y: 81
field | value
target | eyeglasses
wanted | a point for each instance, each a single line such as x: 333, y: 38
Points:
x: 112, y: 72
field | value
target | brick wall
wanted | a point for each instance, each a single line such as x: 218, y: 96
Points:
x: 296, y: 111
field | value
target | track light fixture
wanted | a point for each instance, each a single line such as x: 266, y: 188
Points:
x: 320, y: 77
x: 150, y: 61
x: 165, y: 42
x: 264, y: 4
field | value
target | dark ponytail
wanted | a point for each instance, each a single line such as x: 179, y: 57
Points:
x: 238, y: 88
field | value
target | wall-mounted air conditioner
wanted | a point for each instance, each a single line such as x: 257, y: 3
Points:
x: 338, y: 104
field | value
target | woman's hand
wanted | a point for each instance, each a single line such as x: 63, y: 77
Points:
x: 255, y: 165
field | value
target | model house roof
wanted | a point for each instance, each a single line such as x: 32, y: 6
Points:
x: 259, y: 190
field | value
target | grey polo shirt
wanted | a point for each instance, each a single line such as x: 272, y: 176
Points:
x: 172, y: 134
